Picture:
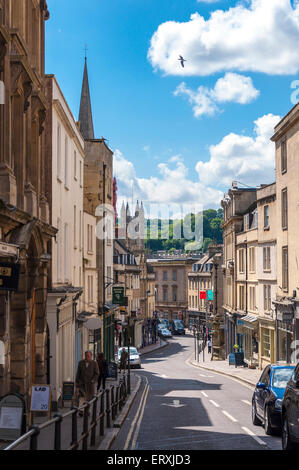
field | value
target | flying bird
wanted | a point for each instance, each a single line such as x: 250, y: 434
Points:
x: 182, y: 60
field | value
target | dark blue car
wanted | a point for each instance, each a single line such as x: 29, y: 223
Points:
x: 268, y: 395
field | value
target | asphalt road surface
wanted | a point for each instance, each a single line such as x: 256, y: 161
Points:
x: 183, y: 407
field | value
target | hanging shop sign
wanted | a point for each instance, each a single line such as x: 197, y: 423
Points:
x: 9, y: 276
x: 6, y: 249
x: 118, y: 295
x: 210, y: 295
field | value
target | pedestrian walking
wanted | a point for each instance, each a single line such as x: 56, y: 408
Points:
x: 86, y: 379
x: 209, y: 346
x: 103, y: 370
x: 123, y: 359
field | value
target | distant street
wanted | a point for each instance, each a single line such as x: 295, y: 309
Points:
x: 182, y: 407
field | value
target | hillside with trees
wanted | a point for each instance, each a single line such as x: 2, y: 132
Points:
x: 171, y: 235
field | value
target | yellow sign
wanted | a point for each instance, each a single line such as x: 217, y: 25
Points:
x: 5, y: 272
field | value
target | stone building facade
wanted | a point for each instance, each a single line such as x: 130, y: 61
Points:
x: 64, y: 190
x: 171, y: 284
x: 24, y: 210
x: 98, y: 201
x: 286, y: 138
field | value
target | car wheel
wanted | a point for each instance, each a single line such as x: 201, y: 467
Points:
x: 255, y: 420
x: 267, y: 425
x: 287, y: 443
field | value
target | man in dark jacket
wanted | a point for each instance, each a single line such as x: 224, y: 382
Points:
x: 123, y: 359
x: 87, y: 378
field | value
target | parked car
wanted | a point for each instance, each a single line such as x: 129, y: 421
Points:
x: 267, y: 397
x: 166, y: 333
x: 135, y: 360
x: 163, y: 322
x: 290, y: 413
x: 177, y: 327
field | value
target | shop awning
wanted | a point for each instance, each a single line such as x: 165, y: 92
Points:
x: 249, y: 320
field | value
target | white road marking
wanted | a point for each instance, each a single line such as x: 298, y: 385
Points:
x: 214, y: 403
x: 204, y: 394
x: 229, y: 416
x: 247, y: 402
x: 202, y: 375
x: 256, y: 438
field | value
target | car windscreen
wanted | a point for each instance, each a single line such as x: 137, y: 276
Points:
x: 178, y: 324
x: 132, y: 351
x: 281, y: 377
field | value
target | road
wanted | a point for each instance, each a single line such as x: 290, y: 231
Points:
x: 183, y: 407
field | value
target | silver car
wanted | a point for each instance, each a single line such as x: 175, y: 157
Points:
x: 135, y: 360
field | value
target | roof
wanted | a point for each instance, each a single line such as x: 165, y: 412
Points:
x: 85, y: 113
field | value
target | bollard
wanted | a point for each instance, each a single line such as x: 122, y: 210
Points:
x: 94, y: 422
x: 108, y: 409
x: 57, y: 436
x: 85, y: 427
x: 102, y: 424
x: 112, y: 403
x: 75, y: 428
x: 34, y: 437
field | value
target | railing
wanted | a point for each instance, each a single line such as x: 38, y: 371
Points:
x: 105, y: 407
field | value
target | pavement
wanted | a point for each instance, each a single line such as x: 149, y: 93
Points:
x: 46, y: 437
x: 244, y: 374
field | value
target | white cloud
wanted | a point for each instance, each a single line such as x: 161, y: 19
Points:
x: 236, y: 88
x: 200, y: 100
x: 255, y: 35
x: 232, y: 87
x: 250, y: 160
x: 171, y: 186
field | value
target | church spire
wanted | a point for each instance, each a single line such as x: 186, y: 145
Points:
x: 85, y: 114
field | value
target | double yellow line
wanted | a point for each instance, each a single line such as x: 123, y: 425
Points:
x: 138, y: 418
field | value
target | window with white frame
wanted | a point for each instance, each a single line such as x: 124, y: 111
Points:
x: 66, y: 161
x: 75, y: 227
x: 252, y: 300
x: 267, y: 298
x: 252, y: 259
x: 58, y: 151
x: 266, y: 258
x: 75, y: 164
x: 242, y: 297
x: 241, y: 261
x: 266, y: 217
x: 285, y: 268
x: 90, y: 289
x: 89, y: 238
x: 66, y: 252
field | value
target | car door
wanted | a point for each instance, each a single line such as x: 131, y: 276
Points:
x: 294, y: 405
x: 261, y: 394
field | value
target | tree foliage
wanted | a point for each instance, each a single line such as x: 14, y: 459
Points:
x: 172, y: 235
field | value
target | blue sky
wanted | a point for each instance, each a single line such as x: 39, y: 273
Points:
x: 159, y: 142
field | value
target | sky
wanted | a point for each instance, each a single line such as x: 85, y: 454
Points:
x: 180, y: 135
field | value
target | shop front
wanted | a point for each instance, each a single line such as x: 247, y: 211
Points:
x: 248, y: 327
x: 285, y: 324
x: 230, y: 333
x: 267, y: 343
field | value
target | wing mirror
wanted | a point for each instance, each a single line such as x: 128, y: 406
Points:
x: 261, y: 385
